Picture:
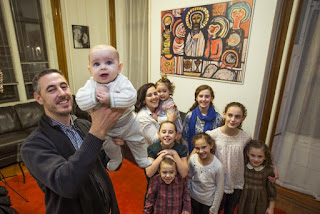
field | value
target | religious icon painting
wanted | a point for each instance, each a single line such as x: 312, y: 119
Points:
x: 208, y: 41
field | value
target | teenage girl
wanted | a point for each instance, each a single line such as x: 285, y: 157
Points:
x: 206, y: 176
x: 165, y: 90
x: 201, y: 117
x: 230, y: 141
x: 258, y: 195
x: 167, y: 146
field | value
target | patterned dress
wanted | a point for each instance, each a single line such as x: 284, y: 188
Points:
x: 230, y: 152
x: 257, y: 191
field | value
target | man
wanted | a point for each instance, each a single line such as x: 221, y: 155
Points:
x: 62, y: 154
x: 77, y: 36
x: 195, y: 41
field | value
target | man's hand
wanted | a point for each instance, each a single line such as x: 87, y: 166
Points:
x: 102, y: 94
x: 196, y: 36
x: 103, y: 119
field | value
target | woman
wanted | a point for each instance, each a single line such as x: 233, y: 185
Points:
x: 201, y: 116
x: 147, y: 103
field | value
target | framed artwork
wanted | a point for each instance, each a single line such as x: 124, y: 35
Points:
x: 81, y: 37
x: 208, y: 41
x: 1, y: 82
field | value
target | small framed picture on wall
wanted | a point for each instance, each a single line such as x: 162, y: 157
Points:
x: 81, y: 37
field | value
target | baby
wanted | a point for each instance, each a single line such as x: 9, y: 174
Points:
x: 108, y: 87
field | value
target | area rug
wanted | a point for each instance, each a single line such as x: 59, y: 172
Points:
x: 129, y: 183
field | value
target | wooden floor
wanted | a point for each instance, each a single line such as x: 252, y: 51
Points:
x: 13, y: 170
x: 295, y: 203
x: 287, y: 200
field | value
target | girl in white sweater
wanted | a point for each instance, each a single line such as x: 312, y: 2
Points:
x: 206, y: 176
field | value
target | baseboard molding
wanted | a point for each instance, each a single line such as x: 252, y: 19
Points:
x: 293, y: 202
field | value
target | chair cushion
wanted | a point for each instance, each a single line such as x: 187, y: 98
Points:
x: 29, y: 114
x: 9, y: 144
x: 9, y: 120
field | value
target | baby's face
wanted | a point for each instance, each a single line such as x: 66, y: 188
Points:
x: 104, y: 65
x: 167, y: 172
x: 163, y: 91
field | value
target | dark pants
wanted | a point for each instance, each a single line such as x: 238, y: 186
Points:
x: 230, y: 201
x: 199, y: 208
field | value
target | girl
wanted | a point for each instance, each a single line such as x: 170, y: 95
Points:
x: 205, y: 176
x: 258, y: 195
x: 165, y: 90
x: 167, y: 146
x: 201, y: 116
x: 230, y: 141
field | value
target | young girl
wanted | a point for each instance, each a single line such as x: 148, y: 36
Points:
x: 206, y: 176
x: 201, y: 117
x: 258, y: 195
x: 165, y: 90
x: 230, y: 141
x: 167, y: 146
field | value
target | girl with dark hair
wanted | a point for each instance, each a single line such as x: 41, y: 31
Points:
x: 205, y: 176
x: 258, y: 195
x: 146, y: 105
x: 201, y: 117
x: 230, y: 141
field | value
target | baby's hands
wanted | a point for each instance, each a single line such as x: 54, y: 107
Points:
x: 102, y: 88
x: 102, y: 94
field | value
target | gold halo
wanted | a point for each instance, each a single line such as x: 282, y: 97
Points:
x: 205, y: 13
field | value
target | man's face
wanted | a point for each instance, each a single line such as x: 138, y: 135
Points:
x: 104, y: 65
x: 54, y: 95
x: 196, y: 18
x: 77, y: 34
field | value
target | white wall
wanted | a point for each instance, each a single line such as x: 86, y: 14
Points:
x: 92, y: 13
x: 249, y: 93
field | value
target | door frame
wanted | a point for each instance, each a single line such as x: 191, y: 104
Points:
x: 286, y: 11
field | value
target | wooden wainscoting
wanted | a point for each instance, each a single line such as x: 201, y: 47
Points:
x: 295, y: 203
